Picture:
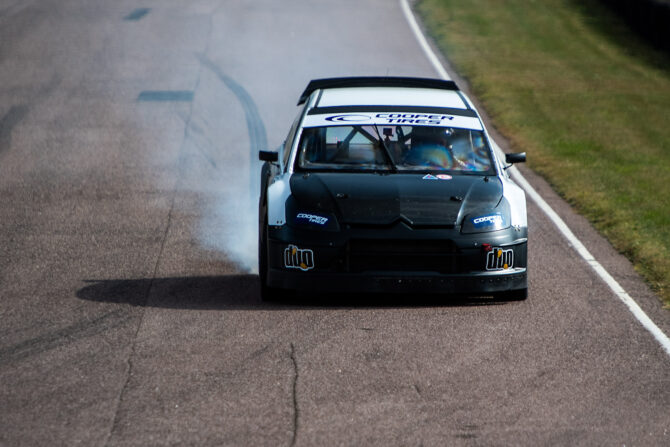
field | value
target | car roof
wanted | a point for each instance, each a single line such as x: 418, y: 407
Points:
x: 391, y: 96
x: 384, y: 91
x: 335, y: 99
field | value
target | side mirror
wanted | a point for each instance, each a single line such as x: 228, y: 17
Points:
x: 519, y: 157
x: 270, y: 156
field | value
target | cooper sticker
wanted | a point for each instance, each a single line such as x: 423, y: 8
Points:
x: 413, y: 118
x: 393, y: 118
x: 429, y: 177
x: 311, y: 218
x: 500, y: 259
x: 296, y: 258
x: 490, y: 220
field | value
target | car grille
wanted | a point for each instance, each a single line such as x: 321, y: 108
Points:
x: 440, y: 256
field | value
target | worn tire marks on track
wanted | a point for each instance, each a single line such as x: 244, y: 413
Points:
x: 69, y: 334
x: 257, y: 135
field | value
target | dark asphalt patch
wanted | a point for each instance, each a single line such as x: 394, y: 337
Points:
x: 137, y: 14
x: 166, y: 95
x: 197, y: 292
x: 13, y: 117
x: 241, y: 293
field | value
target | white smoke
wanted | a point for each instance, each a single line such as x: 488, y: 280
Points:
x: 218, y: 167
x: 229, y: 223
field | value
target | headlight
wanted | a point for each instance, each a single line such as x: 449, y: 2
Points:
x: 483, y: 222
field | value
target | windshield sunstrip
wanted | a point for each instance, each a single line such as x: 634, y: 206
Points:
x: 399, y: 117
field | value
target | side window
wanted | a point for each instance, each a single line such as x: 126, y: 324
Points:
x: 289, y: 141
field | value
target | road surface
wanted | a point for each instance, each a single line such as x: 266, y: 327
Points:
x: 130, y: 311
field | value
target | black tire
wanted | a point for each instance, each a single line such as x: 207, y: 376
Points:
x: 513, y: 295
x: 267, y: 293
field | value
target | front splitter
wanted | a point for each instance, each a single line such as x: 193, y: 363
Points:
x: 482, y: 283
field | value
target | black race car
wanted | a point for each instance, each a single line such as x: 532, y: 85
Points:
x: 390, y: 185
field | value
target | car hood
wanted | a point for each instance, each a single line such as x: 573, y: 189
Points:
x: 383, y: 199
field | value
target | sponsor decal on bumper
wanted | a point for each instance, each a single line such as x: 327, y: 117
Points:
x: 499, y: 259
x: 296, y: 258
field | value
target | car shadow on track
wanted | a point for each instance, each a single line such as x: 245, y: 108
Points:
x: 242, y: 292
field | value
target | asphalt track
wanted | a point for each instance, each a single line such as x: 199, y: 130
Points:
x: 128, y: 314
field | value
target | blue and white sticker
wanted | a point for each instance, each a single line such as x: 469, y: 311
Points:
x: 311, y: 219
x: 489, y: 220
x: 437, y: 177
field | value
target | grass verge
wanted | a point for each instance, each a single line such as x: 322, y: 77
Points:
x: 567, y: 82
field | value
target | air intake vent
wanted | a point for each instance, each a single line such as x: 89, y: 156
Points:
x: 441, y: 256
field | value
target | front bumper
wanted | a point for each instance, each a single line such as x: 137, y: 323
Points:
x: 484, y: 283
x: 395, y: 260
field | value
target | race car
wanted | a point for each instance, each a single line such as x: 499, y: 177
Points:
x: 390, y: 184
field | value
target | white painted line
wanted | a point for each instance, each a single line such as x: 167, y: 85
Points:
x: 619, y: 291
x: 579, y: 247
x: 422, y: 40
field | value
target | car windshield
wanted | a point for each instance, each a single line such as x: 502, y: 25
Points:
x: 394, y: 148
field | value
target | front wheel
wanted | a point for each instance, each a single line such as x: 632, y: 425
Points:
x: 267, y: 293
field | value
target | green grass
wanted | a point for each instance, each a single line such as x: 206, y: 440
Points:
x: 566, y: 81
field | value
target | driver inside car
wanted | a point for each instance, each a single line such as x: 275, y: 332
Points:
x: 429, y: 148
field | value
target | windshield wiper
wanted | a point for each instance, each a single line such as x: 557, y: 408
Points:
x: 387, y: 151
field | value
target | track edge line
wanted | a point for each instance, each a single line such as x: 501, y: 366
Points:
x: 558, y: 222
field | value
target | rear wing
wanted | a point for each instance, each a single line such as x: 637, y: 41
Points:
x: 375, y: 81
